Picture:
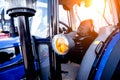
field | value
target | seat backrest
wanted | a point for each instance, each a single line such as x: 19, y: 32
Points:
x: 90, y: 55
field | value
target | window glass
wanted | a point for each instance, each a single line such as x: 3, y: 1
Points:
x: 63, y: 16
x: 101, y: 12
x: 39, y: 27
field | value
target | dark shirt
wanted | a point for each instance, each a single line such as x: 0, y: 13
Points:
x: 82, y: 43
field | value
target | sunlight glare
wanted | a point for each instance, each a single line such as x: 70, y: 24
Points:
x: 98, y: 4
x: 95, y: 12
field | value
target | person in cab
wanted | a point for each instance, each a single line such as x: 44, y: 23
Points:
x: 83, y: 37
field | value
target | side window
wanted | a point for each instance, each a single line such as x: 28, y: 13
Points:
x: 63, y: 15
x: 64, y: 22
x: 39, y: 26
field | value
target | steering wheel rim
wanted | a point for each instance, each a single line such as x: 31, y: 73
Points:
x: 65, y: 29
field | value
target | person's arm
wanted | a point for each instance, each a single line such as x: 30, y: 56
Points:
x: 72, y: 34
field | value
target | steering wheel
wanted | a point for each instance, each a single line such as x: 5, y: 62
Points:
x: 64, y: 28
